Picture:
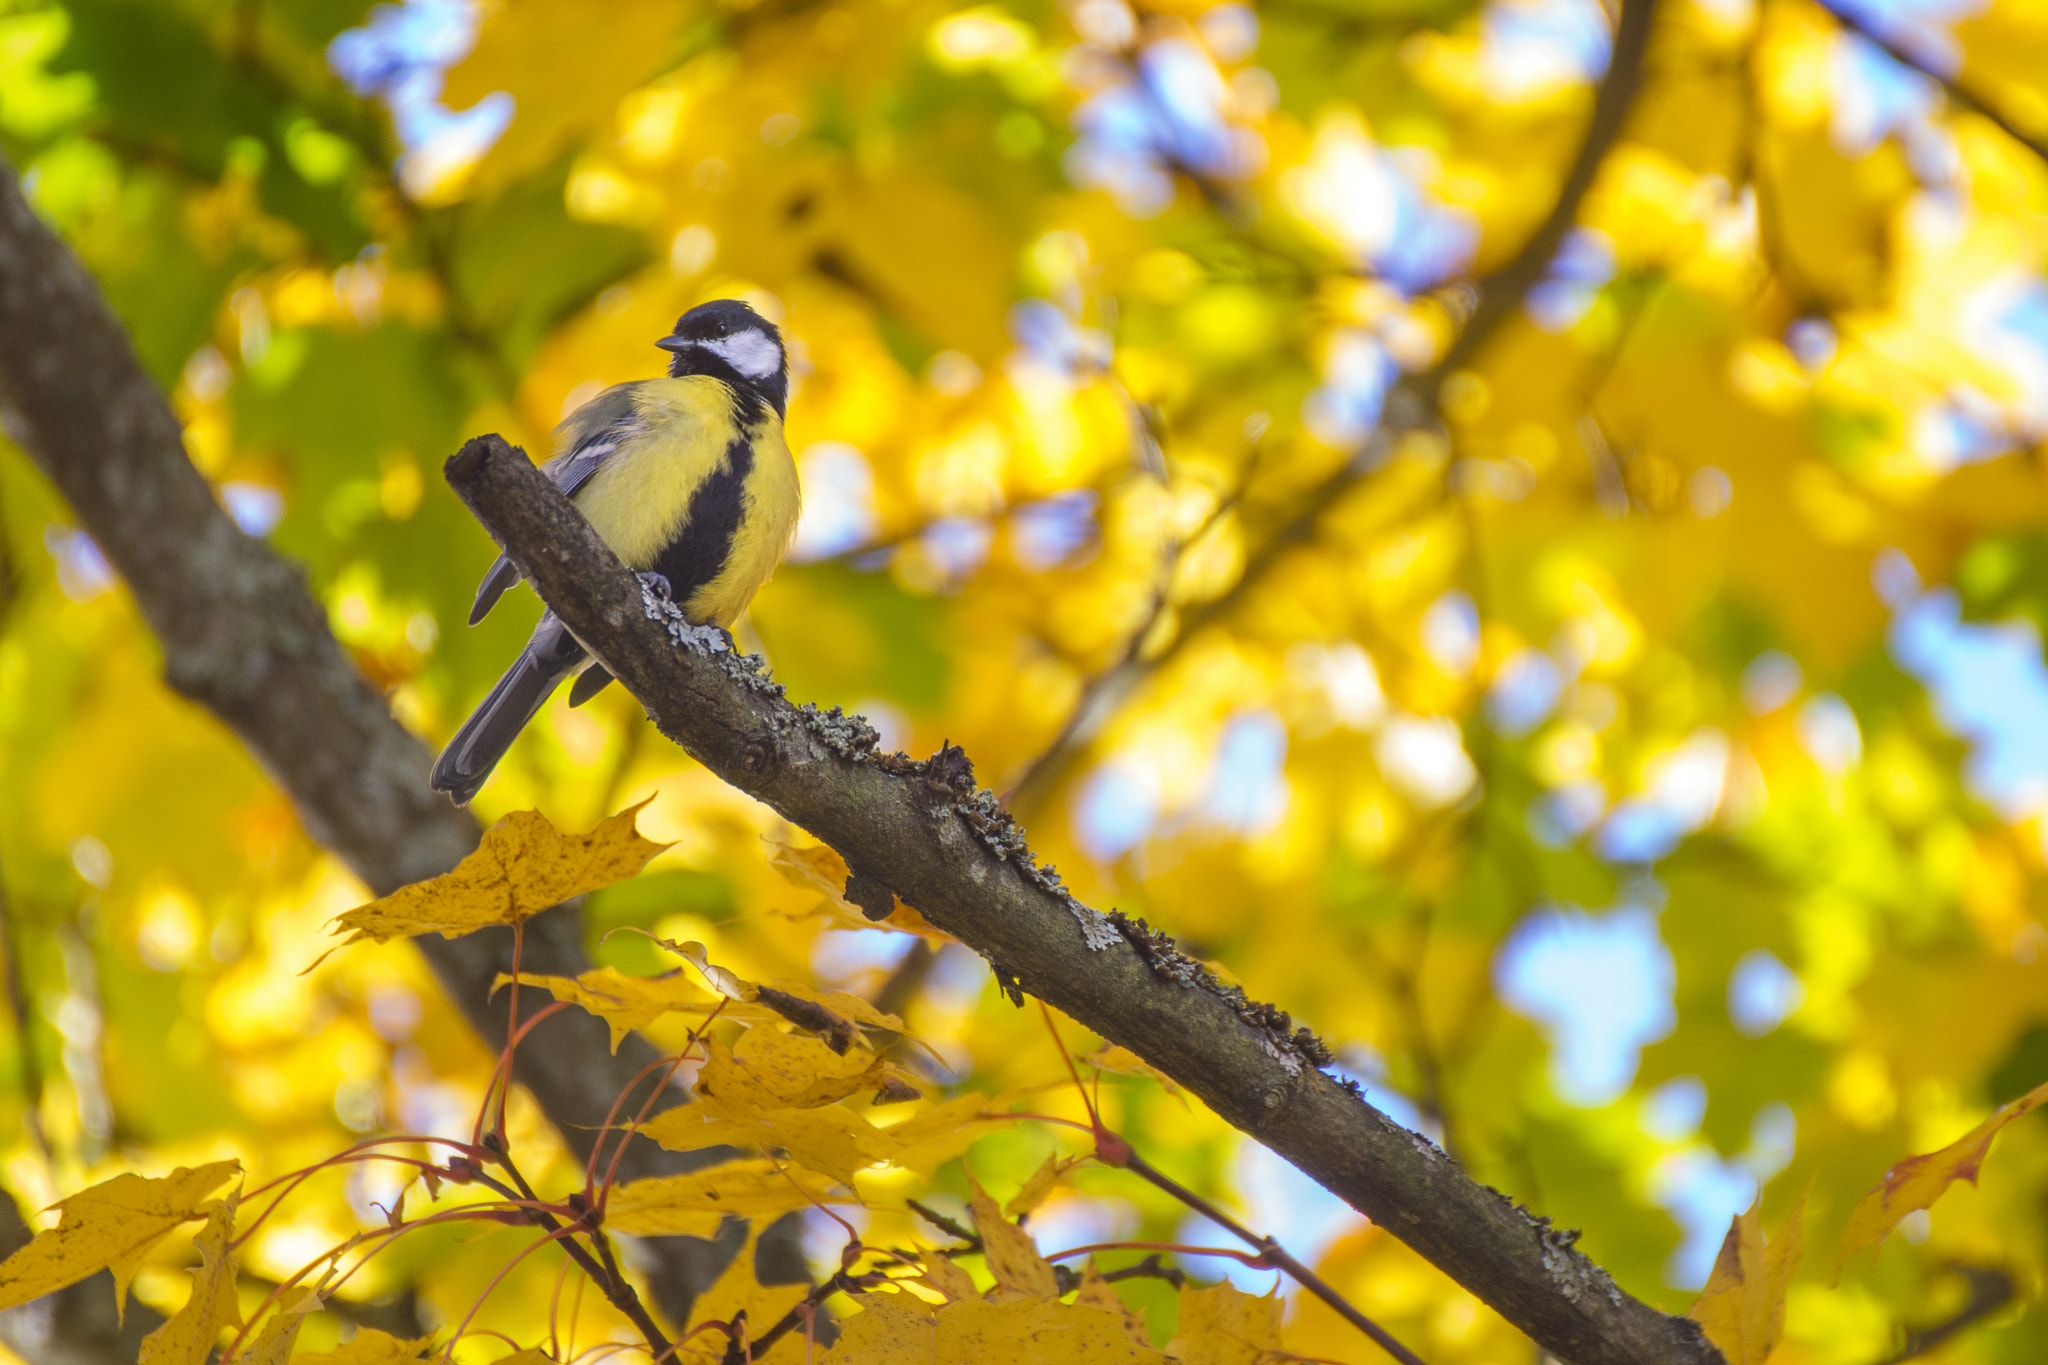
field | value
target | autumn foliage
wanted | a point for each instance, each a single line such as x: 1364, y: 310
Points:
x: 1544, y: 587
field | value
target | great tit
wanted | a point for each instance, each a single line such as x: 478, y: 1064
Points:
x: 687, y: 477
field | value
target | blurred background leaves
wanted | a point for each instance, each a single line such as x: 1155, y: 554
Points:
x: 1639, y: 780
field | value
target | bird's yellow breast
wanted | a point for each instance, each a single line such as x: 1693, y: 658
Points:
x: 679, y: 436
x: 684, y: 431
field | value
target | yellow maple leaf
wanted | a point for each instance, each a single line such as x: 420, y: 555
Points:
x: 370, y: 1347
x: 1123, y: 1061
x: 695, y: 1204
x: 726, y: 982
x: 1038, y: 1186
x: 831, y: 1139
x: 273, y: 1345
x: 1223, y: 1325
x: 1742, y: 1309
x: 846, y: 1005
x: 190, y: 1336
x: 819, y: 867
x: 1918, y: 1181
x: 624, y: 1002
x: 1021, y: 1273
x: 890, y: 1328
x: 739, y: 1290
x: 1096, y: 1292
x: 944, y: 1131
x: 836, y: 1016
x: 110, y: 1226
x: 897, y: 1329
x: 949, y: 1279
x: 523, y: 866
x: 769, y: 1069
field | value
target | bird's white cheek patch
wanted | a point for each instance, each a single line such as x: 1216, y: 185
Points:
x: 750, y: 352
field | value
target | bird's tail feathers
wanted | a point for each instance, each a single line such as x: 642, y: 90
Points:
x: 549, y: 657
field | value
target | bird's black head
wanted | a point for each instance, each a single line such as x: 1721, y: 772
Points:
x: 729, y: 340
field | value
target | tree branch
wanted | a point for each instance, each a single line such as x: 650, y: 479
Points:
x: 925, y: 831
x: 1410, y: 406
x: 243, y: 636
x: 1503, y: 291
x: 1958, y: 93
x: 1990, y: 1290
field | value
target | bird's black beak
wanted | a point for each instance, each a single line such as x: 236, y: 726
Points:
x: 675, y: 343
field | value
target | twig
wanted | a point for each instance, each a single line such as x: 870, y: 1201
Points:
x: 1151, y: 1268
x: 447, y: 1356
x: 1117, y: 1151
x: 946, y: 1225
x: 1106, y: 690
x: 520, y: 1201
x: 1275, y: 1255
x: 1250, y: 1259
x: 907, y: 980
x: 396, y: 1314
x: 1958, y: 93
x: 1504, y: 290
x: 1990, y: 1290
x: 603, y: 1269
x: 512, y: 1211
x: 842, y: 1281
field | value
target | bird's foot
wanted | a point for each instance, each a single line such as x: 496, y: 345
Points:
x: 658, y: 584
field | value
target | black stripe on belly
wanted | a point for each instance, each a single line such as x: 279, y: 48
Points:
x: 700, y: 553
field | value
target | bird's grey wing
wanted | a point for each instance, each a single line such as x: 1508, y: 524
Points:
x: 590, y: 434
x: 585, y: 439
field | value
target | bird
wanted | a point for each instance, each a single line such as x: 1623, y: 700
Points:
x: 688, y: 478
